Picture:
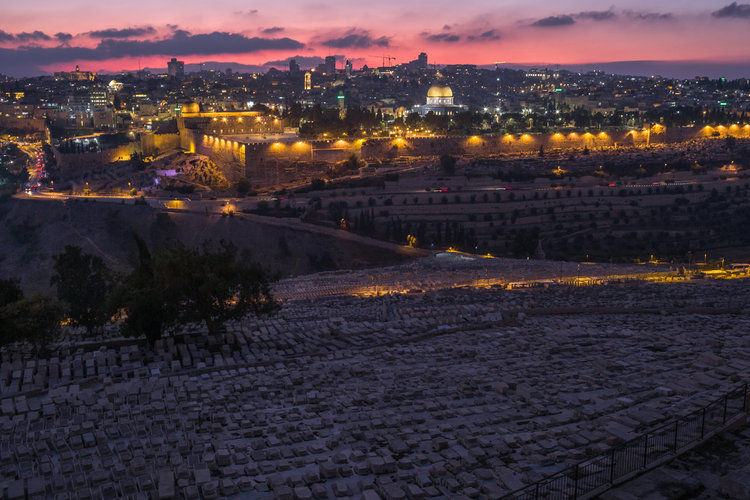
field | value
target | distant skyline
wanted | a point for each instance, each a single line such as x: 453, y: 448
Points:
x: 672, y: 38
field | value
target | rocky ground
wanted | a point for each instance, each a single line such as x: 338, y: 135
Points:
x: 438, y: 394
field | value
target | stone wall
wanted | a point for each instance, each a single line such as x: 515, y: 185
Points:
x: 237, y: 159
x: 228, y: 156
x: 156, y: 144
x: 74, y: 165
x: 28, y: 125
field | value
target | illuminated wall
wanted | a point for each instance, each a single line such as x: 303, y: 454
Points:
x: 230, y: 123
x: 76, y: 164
x: 265, y: 155
x: 237, y: 159
x: 227, y: 155
x: 155, y: 144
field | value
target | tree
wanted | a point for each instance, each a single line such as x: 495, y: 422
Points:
x: 149, y: 307
x: 243, y: 186
x: 35, y: 320
x: 177, y: 285
x: 214, y: 285
x: 352, y: 163
x: 83, y: 283
x: 447, y: 165
x: 10, y: 291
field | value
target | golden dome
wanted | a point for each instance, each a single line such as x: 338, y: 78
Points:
x: 191, y: 107
x: 439, y: 91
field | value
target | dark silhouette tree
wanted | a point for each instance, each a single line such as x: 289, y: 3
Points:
x: 34, y: 319
x: 10, y: 291
x: 177, y: 285
x: 447, y: 165
x: 83, y: 283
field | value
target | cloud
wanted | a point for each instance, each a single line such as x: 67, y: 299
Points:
x: 648, y: 16
x: 485, y: 36
x: 597, y: 15
x: 357, y: 40
x: 5, y: 37
x: 122, y: 33
x: 554, y: 21
x: 31, y: 60
x: 272, y: 30
x: 184, y: 43
x: 63, y: 37
x: 740, y: 11
x: 441, y: 37
x: 34, y: 36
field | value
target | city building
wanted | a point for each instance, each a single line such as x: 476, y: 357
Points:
x: 76, y: 75
x: 417, y: 65
x: 176, y: 69
x: 329, y: 66
x: 99, y: 98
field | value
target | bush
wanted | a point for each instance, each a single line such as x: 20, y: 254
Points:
x: 244, y: 186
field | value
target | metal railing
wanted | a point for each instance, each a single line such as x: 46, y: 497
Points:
x: 598, y: 474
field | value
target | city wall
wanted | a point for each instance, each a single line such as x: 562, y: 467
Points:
x: 238, y: 159
x: 156, y: 144
x: 76, y: 164
x: 228, y: 156
x: 26, y: 125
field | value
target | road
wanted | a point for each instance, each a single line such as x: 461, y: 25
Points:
x: 36, y: 165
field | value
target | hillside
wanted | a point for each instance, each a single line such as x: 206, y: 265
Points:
x: 32, y: 231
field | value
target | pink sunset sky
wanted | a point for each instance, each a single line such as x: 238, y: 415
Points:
x: 47, y: 35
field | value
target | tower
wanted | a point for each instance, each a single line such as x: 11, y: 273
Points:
x: 342, y: 106
x: 330, y: 65
x: 308, y: 81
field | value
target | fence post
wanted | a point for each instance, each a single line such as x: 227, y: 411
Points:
x: 724, y: 418
x: 536, y: 491
x: 575, y: 483
x: 676, y: 425
x: 612, y: 468
x: 645, y: 449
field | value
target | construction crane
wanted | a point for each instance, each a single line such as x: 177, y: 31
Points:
x: 388, y: 58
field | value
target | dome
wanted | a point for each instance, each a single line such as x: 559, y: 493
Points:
x: 439, y: 91
x: 191, y: 107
